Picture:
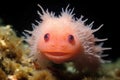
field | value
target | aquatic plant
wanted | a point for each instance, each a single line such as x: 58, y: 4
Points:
x: 14, y: 61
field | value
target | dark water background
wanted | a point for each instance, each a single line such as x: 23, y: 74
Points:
x: 21, y: 14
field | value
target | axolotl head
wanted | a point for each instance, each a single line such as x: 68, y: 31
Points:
x: 63, y: 38
x: 58, y: 40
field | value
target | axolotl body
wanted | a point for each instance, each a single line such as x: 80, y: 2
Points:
x: 65, y: 38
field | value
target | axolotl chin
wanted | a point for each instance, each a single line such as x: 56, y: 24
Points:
x: 65, y: 38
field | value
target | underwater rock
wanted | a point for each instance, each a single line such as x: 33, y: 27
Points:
x: 3, y: 76
x: 43, y: 75
x: 14, y: 61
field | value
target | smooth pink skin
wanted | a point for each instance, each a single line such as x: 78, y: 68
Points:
x: 58, y: 49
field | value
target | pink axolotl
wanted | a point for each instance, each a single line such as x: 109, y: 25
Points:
x: 65, y: 38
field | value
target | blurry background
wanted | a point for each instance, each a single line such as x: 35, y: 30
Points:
x: 21, y: 14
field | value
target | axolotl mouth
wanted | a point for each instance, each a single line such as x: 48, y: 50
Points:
x: 57, y: 57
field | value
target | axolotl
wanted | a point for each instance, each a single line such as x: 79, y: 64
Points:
x: 65, y: 38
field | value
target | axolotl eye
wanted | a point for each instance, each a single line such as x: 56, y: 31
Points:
x: 71, y: 38
x: 47, y: 37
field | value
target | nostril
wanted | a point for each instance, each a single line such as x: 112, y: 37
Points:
x: 52, y: 45
x: 58, y: 46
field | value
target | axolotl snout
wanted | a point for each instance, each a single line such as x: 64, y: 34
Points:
x: 64, y: 38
